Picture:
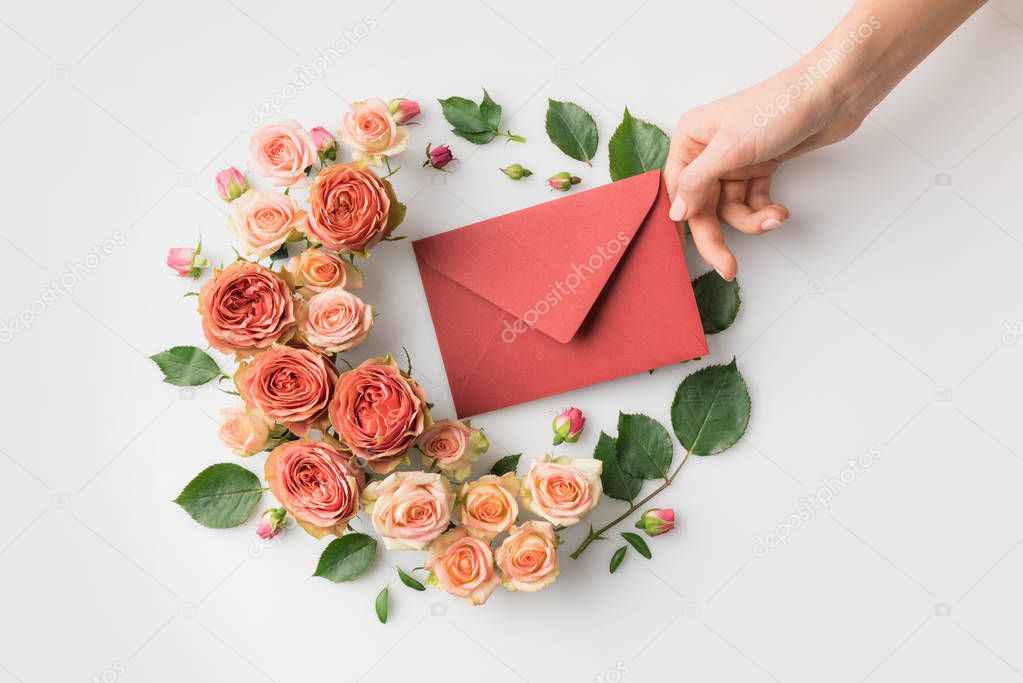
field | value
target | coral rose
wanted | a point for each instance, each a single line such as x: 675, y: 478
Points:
x: 372, y: 131
x: 288, y: 385
x: 263, y: 221
x: 282, y: 152
x: 453, y: 445
x: 245, y: 308
x: 243, y: 430
x: 528, y: 558
x: 409, y: 509
x: 351, y: 209
x: 334, y: 321
x: 318, y: 485
x: 486, y: 507
x: 378, y: 412
x: 319, y: 271
x: 462, y: 565
x: 562, y: 491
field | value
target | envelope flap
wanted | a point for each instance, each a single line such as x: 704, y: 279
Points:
x: 547, y: 265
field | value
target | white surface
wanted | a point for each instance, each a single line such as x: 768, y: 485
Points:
x: 874, y: 318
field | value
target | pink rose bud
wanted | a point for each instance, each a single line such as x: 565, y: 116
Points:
x: 438, y: 157
x: 657, y: 521
x: 403, y: 110
x: 563, y: 181
x: 272, y: 523
x: 326, y: 144
x: 568, y: 426
x: 180, y: 259
x: 231, y: 184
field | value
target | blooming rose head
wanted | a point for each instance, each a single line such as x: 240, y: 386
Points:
x: 453, y: 445
x: 657, y: 521
x: 403, y: 110
x: 334, y: 321
x: 378, y: 412
x: 486, y: 507
x: 318, y: 485
x: 351, y: 209
x: 263, y: 221
x: 568, y: 425
x: 282, y: 152
x: 462, y: 565
x: 326, y: 144
x: 243, y: 430
x: 409, y: 509
x: 438, y: 157
x: 231, y: 184
x: 272, y: 523
x: 562, y: 491
x: 289, y: 385
x: 528, y: 558
x: 318, y: 271
x: 372, y: 132
x: 245, y: 308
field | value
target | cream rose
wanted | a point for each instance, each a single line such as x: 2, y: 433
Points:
x: 561, y: 490
x: 282, y: 152
x: 318, y: 271
x: 244, y: 430
x: 334, y: 321
x: 462, y: 565
x: 372, y: 132
x: 528, y: 558
x: 453, y: 445
x: 487, y: 507
x: 409, y: 509
x: 263, y: 221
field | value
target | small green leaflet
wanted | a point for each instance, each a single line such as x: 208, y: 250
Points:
x: 477, y: 123
x: 616, y: 559
x: 186, y: 366
x: 572, y: 130
x: 644, y: 448
x: 637, y: 146
x: 711, y: 409
x: 221, y: 496
x: 508, y: 463
x: 410, y: 580
x: 637, y: 542
x: 346, y: 558
x: 616, y: 482
x: 718, y: 301
x: 381, y: 605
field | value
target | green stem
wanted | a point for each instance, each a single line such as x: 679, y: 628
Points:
x: 387, y: 162
x: 633, y: 506
x: 513, y: 138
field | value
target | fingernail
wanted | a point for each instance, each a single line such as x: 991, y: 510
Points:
x: 678, y: 210
x: 770, y: 224
x: 726, y: 279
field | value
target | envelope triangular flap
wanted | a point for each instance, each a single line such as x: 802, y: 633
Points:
x: 547, y: 265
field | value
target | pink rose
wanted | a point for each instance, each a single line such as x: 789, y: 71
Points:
x: 568, y: 425
x: 231, y: 184
x: 403, y: 110
x: 326, y: 144
x: 245, y: 308
x: 263, y: 221
x: 288, y: 385
x: 180, y: 259
x: 657, y: 521
x: 438, y: 157
x: 282, y: 152
x: 528, y: 558
x: 334, y: 321
x: 409, y: 509
x: 351, y: 209
x: 316, y: 484
x: 373, y: 133
x: 562, y: 491
x: 319, y: 271
x: 243, y: 430
x: 486, y: 507
x: 378, y: 412
x: 272, y: 523
x: 463, y: 566
x: 453, y: 445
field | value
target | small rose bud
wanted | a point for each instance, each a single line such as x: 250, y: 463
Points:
x: 403, y: 110
x: 187, y: 262
x: 657, y: 521
x: 563, y: 181
x: 568, y: 426
x: 438, y: 157
x: 326, y: 144
x: 516, y: 172
x: 272, y: 523
x: 231, y: 184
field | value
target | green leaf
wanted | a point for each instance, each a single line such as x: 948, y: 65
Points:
x: 616, y: 559
x: 637, y: 542
x: 346, y: 558
x: 410, y: 580
x: 616, y: 482
x: 491, y: 111
x: 572, y: 130
x: 221, y: 496
x: 186, y: 366
x: 465, y: 115
x: 644, y: 447
x: 508, y: 463
x: 381, y: 605
x: 718, y: 301
x: 281, y: 253
x: 637, y: 146
x: 711, y: 409
x: 475, y: 138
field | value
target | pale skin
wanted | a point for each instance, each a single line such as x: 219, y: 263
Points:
x: 724, y: 154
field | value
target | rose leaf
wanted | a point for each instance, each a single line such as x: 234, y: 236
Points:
x: 572, y: 130
x: 718, y: 301
x: 221, y: 496
x: 637, y: 146
x: 508, y: 463
x: 616, y: 482
x: 346, y: 558
x: 186, y: 366
x: 711, y: 409
x: 644, y: 447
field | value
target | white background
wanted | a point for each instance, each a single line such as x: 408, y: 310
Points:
x: 874, y: 318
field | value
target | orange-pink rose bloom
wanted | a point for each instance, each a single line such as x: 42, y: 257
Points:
x: 528, y: 557
x: 245, y: 308
x: 243, y: 430
x: 289, y: 385
x: 334, y: 321
x: 378, y: 412
x: 462, y: 565
x: 282, y: 152
x: 487, y: 507
x: 351, y: 209
x: 318, y: 271
x: 319, y: 486
x: 409, y: 509
x: 263, y: 221
x: 370, y: 129
x: 454, y: 446
x: 562, y: 490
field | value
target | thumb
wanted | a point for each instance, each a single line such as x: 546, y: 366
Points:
x: 697, y: 181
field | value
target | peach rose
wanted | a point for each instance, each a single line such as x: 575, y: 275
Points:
x: 319, y: 486
x: 245, y: 308
x: 334, y: 321
x: 409, y: 509
x: 263, y: 221
x: 244, y: 430
x: 372, y: 131
x: 462, y: 565
x: 282, y: 152
x: 378, y: 412
x: 453, y: 445
x: 289, y: 385
x: 319, y: 271
x: 528, y: 558
x: 561, y: 490
x: 486, y: 507
x: 351, y: 209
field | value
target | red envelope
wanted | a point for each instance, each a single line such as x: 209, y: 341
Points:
x: 576, y: 291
